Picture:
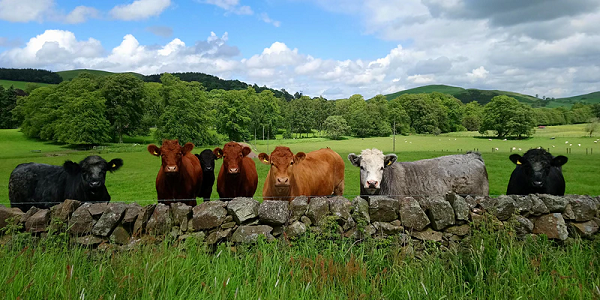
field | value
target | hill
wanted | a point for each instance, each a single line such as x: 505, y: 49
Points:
x: 19, y: 84
x: 591, y: 98
x: 68, y: 75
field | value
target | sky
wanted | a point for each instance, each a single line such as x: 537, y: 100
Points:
x: 329, y: 48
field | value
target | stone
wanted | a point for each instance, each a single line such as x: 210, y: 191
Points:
x: 131, y: 214
x: 243, y: 209
x: 119, y: 236
x: 523, y: 225
x: 460, y: 230
x: 360, y: 210
x: 477, y: 219
x: 250, y: 234
x: 349, y: 224
x: 389, y: 228
x: 411, y: 214
x: 38, y: 222
x: 487, y: 203
x: 89, y: 240
x: 383, y: 209
x: 460, y: 206
x: 471, y: 202
x: 278, y: 230
x: 552, y: 225
x: 585, y: 229
x: 273, y: 212
x: 370, y: 230
x: 199, y: 236
x: 428, y: 235
x: 523, y: 204
x: 142, y: 219
x: 295, y: 230
x: 109, y: 219
x: 568, y: 214
x: 215, y: 236
x: 97, y: 209
x: 554, y: 203
x: 440, y: 213
x: 181, y: 213
x: 306, y: 220
x: 228, y: 219
x: 81, y: 222
x: 64, y: 210
x: 340, y: 208
x: 208, y: 215
x: 584, y: 208
x: 6, y: 214
x: 318, y: 208
x: 228, y: 225
x: 160, y: 222
x: 537, y: 206
x: 505, y: 207
x: 29, y: 213
x: 298, y: 208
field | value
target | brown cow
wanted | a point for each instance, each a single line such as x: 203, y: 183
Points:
x: 180, y: 175
x: 317, y: 173
x: 237, y: 177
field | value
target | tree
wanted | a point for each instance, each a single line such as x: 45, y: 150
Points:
x: 124, y: 94
x: 398, y: 117
x: 233, y: 114
x: 336, y: 126
x: 426, y: 112
x: 592, y: 126
x: 506, y: 116
x: 83, y: 120
x: 8, y: 101
x: 472, y: 115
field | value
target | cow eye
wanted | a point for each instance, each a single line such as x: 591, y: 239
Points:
x: 380, y: 169
x: 291, y: 162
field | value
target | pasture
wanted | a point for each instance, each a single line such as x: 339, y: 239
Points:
x: 134, y: 182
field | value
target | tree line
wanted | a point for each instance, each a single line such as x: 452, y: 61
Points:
x: 93, y: 110
x: 31, y: 75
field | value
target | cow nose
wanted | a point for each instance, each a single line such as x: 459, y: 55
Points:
x: 537, y: 183
x: 171, y: 169
x: 282, y: 180
x: 95, y: 183
x: 233, y: 170
x: 372, y: 183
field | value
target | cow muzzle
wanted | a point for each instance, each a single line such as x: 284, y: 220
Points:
x: 171, y: 169
x: 282, y: 182
x: 372, y: 184
x: 233, y: 171
x: 95, y: 184
x: 538, y: 184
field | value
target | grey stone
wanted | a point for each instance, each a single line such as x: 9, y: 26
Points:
x: 370, y: 230
x: 552, y: 225
x: 389, y: 228
x: 471, y: 202
x: 216, y: 236
x: 109, y: 219
x: 278, y: 230
x: 523, y: 225
x: 29, y: 213
x: 383, y: 209
x: 411, y: 214
x: 428, y: 235
x: 318, y: 208
x: 273, y: 212
x: 460, y: 230
x: 120, y: 236
x: 97, y: 209
x: 568, y: 214
x: 199, y: 236
x: 360, y: 210
x: 160, y: 222
x: 584, y: 208
x: 523, y: 204
x: 306, y: 220
x: 487, y: 203
x: 349, y: 224
x: 181, y: 213
x: 340, y: 208
x: 537, y: 206
x: 250, y: 234
x: 505, y: 207
x: 64, y: 210
x: 38, y: 222
x: 141, y: 221
x: 89, y: 240
x: 554, y: 203
x: 460, y: 206
x: 295, y: 230
x: 298, y: 208
x: 243, y: 209
x: 9, y: 213
x: 585, y: 229
x: 440, y: 213
x: 208, y: 215
x: 81, y: 222
x: 131, y: 214
x: 228, y: 225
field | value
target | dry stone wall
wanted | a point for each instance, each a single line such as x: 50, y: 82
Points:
x: 242, y: 220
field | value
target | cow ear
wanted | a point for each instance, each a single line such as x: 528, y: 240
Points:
x: 218, y: 152
x: 559, y: 161
x: 389, y: 159
x: 300, y: 156
x: 115, y: 164
x: 516, y: 159
x: 354, y: 159
x: 154, y: 150
x: 246, y: 151
x: 71, y: 167
x: 264, y: 158
x: 187, y: 148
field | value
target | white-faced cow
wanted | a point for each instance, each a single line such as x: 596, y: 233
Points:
x: 537, y: 171
x: 42, y: 185
x: 207, y: 162
x: 380, y: 174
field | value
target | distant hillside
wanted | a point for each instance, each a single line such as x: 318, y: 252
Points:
x: 19, y: 84
x: 591, y: 98
x: 68, y: 75
x: 468, y: 95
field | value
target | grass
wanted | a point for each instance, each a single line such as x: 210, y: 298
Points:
x: 19, y: 84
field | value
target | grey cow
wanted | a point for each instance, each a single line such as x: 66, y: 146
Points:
x: 380, y: 174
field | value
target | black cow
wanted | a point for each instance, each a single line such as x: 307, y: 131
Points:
x: 42, y: 185
x: 537, y: 171
x: 207, y: 161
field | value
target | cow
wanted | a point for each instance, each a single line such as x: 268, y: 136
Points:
x: 180, y: 175
x: 237, y: 176
x: 207, y: 162
x: 42, y: 185
x: 380, y: 174
x: 317, y: 173
x: 537, y: 171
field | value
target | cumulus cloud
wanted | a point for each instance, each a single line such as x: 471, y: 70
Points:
x: 479, y: 73
x: 80, y: 14
x: 10, y: 43
x: 24, y: 10
x: 139, y: 10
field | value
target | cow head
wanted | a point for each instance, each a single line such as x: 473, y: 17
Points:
x: 371, y: 163
x: 92, y: 170
x: 232, y: 153
x: 536, y: 164
x: 282, y: 162
x: 207, y: 160
x: 171, y: 153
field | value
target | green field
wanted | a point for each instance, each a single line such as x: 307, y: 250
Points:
x: 134, y: 182
x: 70, y: 74
x: 19, y: 84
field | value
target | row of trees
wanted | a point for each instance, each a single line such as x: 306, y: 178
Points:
x: 30, y: 75
x: 92, y: 110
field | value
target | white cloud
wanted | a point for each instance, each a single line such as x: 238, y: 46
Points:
x: 479, y: 73
x: 231, y: 6
x: 421, y: 79
x: 139, y: 10
x: 265, y: 18
x: 80, y: 14
x: 24, y: 10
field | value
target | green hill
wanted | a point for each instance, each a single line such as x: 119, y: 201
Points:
x: 591, y: 98
x: 68, y: 75
x: 19, y: 84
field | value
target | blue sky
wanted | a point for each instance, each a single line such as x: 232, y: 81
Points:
x: 333, y: 48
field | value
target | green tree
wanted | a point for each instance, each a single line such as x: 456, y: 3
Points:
x: 472, y: 116
x: 124, y: 94
x: 83, y: 120
x: 8, y: 101
x: 506, y: 117
x: 453, y: 111
x: 336, y: 127
x: 426, y: 112
x: 592, y: 127
x: 398, y: 117
x: 233, y: 114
